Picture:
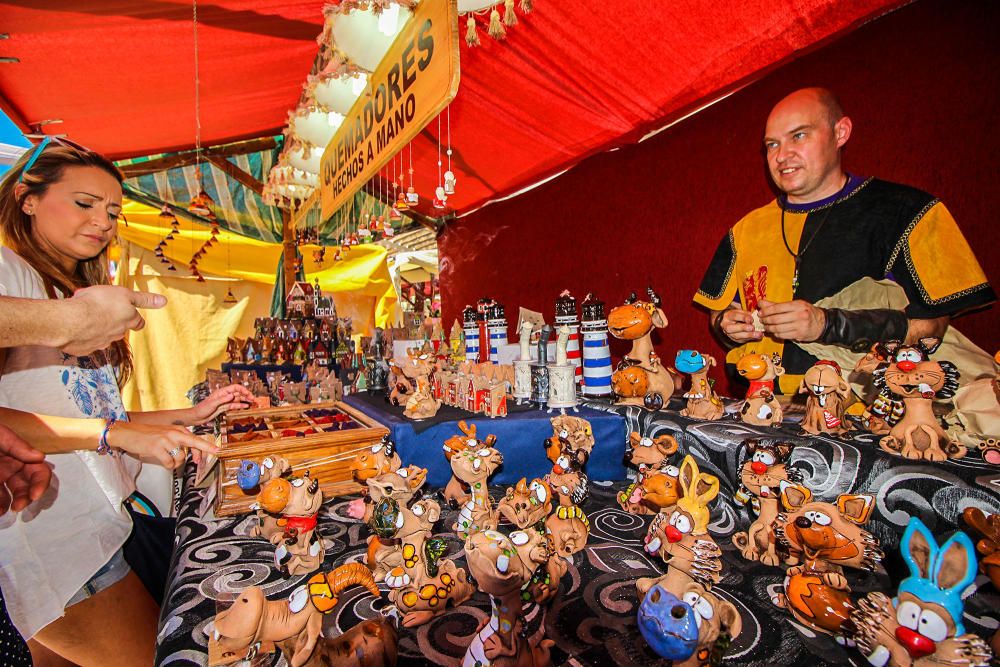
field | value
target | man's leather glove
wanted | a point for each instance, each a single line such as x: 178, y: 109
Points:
x: 858, y: 329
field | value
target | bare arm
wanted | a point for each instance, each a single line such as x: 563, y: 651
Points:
x: 232, y: 397
x: 918, y: 329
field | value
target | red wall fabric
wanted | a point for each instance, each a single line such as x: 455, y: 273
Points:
x: 922, y: 86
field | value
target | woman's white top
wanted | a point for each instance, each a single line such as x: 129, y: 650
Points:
x: 53, y: 547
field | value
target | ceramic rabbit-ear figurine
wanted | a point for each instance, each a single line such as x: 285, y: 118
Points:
x: 253, y: 624
x: 922, y: 625
x: 760, y: 407
x: 682, y: 538
x: 503, y: 566
x: 657, y: 485
x: 702, y: 401
x: 693, y: 630
x: 910, y: 376
x: 827, y: 398
x: 763, y: 476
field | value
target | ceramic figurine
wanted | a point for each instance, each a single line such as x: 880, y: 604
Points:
x: 449, y: 182
x: 763, y: 476
x: 474, y: 467
x: 686, y: 546
x: 702, y: 401
x: 987, y: 528
x: 566, y: 315
x: 526, y: 505
x: 568, y: 481
x: 572, y: 437
x: 657, y: 485
x: 596, y: 353
x: 502, y: 566
x: 883, y: 412
x: 370, y: 643
x: 692, y: 631
x: 253, y: 624
x: 825, y: 538
x: 569, y: 528
x: 916, y: 380
x: 760, y: 407
x: 640, y: 378
x: 990, y: 450
x: 828, y: 393
x: 540, y: 370
x: 298, y: 550
x: 377, y: 375
x: 455, y: 492
x: 425, y: 583
x: 380, y: 510
x: 522, y: 366
x: 562, y: 379
x: 412, y: 385
x: 496, y: 325
x: 381, y: 458
x: 922, y: 625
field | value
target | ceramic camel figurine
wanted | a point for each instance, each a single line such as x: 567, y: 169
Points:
x: 763, y: 476
x: 702, y: 401
x: 640, y: 378
x: 912, y: 377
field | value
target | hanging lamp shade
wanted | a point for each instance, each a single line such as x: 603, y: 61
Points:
x: 230, y: 298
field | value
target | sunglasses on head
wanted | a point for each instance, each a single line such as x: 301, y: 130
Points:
x: 40, y: 148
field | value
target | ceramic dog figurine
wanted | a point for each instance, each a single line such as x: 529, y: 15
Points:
x: 526, y: 505
x: 503, y: 566
x: 473, y: 468
x: 298, y: 550
x: 382, y: 458
x: 922, y: 625
x: 825, y: 537
x: 682, y: 539
x: 763, y: 476
x: 987, y: 528
x: 455, y: 493
x: 916, y: 380
x: 760, y: 407
x: 702, y: 401
x: 253, y: 624
x: 827, y: 396
x: 640, y: 378
x: 572, y: 437
x: 401, y: 488
x: 657, y: 484
x: 692, y: 637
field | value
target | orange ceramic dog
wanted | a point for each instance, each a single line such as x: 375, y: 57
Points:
x: 641, y: 379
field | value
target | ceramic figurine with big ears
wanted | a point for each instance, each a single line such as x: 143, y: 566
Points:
x: 827, y: 398
x: 640, y: 378
x: 253, y: 624
x: 503, y: 566
x: 657, y: 484
x: 761, y: 408
x: 911, y: 376
x: 702, y: 401
x: 456, y: 492
x: 298, y: 549
x: 693, y: 630
x: 473, y: 467
x: 763, y: 476
x: 922, y: 626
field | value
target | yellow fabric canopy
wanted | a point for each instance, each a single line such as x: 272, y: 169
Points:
x: 189, y: 335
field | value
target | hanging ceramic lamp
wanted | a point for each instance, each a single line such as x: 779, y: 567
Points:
x: 230, y: 297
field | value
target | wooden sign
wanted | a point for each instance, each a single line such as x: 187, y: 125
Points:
x: 416, y: 79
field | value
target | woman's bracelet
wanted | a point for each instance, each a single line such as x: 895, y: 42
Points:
x: 103, y: 447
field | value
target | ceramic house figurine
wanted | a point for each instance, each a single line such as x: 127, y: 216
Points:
x: 686, y: 545
x: 910, y: 376
x: 824, y: 538
x: 657, y: 485
x: 922, y: 625
x: 596, y: 353
x: 473, y: 468
x: 760, y: 407
x: 827, y: 399
x: 693, y: 630
x: 640, y: 378
x: 502, y: 566
x: 702, y: 401
x: 298, y: 550
x: 562, y: 378
x: 763, y: 476
x: 253, y: 624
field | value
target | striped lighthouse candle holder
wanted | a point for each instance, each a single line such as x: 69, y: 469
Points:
x: 470, y: 327
x: 597, y: 368
x: 496, y: 324
x: 566, y: 315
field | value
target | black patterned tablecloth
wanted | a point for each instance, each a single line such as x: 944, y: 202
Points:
x: 592, y: 621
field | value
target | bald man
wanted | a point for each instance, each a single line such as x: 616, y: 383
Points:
x: 828, y: 230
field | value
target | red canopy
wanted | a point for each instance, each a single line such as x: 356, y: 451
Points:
x: 572, y: 78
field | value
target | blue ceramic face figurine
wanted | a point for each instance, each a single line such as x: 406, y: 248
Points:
x: 248, y: 476
x: 668, y: 625
x: 689, y: 361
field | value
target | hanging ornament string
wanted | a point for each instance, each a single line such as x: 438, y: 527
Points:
x: 197, y: 92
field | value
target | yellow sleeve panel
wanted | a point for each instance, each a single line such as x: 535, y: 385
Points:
x: 939, y: 258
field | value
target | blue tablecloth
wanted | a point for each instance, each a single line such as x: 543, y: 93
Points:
x: 519, y: 437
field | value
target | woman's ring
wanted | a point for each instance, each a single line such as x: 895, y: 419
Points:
x: 174, y: 452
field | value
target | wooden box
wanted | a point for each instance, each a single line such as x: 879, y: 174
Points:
x: 327, y: 453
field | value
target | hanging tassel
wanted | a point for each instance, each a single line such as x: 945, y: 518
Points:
x: 526, y: 6
x: 471, y: 34
x: 496, y: 31
x: 509, y: 17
